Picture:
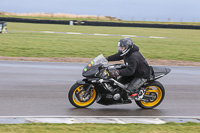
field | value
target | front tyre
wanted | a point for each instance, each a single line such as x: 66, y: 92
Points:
x: 154, y: 95
x: 78, y: 98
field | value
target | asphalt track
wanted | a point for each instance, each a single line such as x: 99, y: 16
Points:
x: 41, y: 89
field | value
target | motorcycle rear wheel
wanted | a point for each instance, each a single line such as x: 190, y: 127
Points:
x: 154, y: 90
x: 76, y: 96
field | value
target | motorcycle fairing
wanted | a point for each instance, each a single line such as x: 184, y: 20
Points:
x: 91, y: 70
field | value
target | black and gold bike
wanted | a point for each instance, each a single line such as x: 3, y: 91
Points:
x: 98, y: 86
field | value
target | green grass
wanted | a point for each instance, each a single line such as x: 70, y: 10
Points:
x: 101, y: 128
x: 181, y: 44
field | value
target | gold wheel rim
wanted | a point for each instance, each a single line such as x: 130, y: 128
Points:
x: 158, y: 93
x: 89, y: 101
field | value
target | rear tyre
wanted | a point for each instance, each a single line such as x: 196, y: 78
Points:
x: 77, y: 96
x: 154, y: 95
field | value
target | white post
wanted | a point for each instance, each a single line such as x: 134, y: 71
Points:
x: 71, y: 23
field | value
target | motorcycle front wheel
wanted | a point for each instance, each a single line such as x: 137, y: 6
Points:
x: 79, y: 98
x: 154, y: 95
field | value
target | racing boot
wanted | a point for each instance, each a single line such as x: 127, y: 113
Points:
x: 134, y: 93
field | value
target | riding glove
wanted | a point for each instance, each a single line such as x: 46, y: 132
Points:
x: 114, y: 73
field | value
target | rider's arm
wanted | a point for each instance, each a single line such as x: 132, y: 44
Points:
x: 115, y: 57
x: 131, y: 67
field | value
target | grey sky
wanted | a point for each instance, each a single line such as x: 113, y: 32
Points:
x: 149, y: 10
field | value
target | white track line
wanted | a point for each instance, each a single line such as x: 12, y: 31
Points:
x: 75, y: 33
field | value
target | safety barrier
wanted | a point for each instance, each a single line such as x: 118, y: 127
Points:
x: 23, y: 20
x: 173, y: 26
x: 92, y: 23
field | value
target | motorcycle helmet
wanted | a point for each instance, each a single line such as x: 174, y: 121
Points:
x: 125, y: 45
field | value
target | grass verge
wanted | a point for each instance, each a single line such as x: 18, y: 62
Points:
x: 180, y: 45
x: 101, y: 128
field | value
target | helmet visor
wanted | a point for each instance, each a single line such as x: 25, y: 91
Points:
x: 121, y: 48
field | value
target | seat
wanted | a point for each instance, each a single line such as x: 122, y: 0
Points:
x: 159, y: 71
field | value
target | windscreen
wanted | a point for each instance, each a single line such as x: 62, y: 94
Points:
x: 98, y: 60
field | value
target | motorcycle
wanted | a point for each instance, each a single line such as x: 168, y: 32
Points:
x: 100, y: 87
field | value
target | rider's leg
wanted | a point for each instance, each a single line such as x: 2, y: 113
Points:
x: 135, y: 84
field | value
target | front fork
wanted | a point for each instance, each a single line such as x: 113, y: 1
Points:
x: 88, y: 90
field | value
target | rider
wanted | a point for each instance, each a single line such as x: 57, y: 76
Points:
x: 136, y: 65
